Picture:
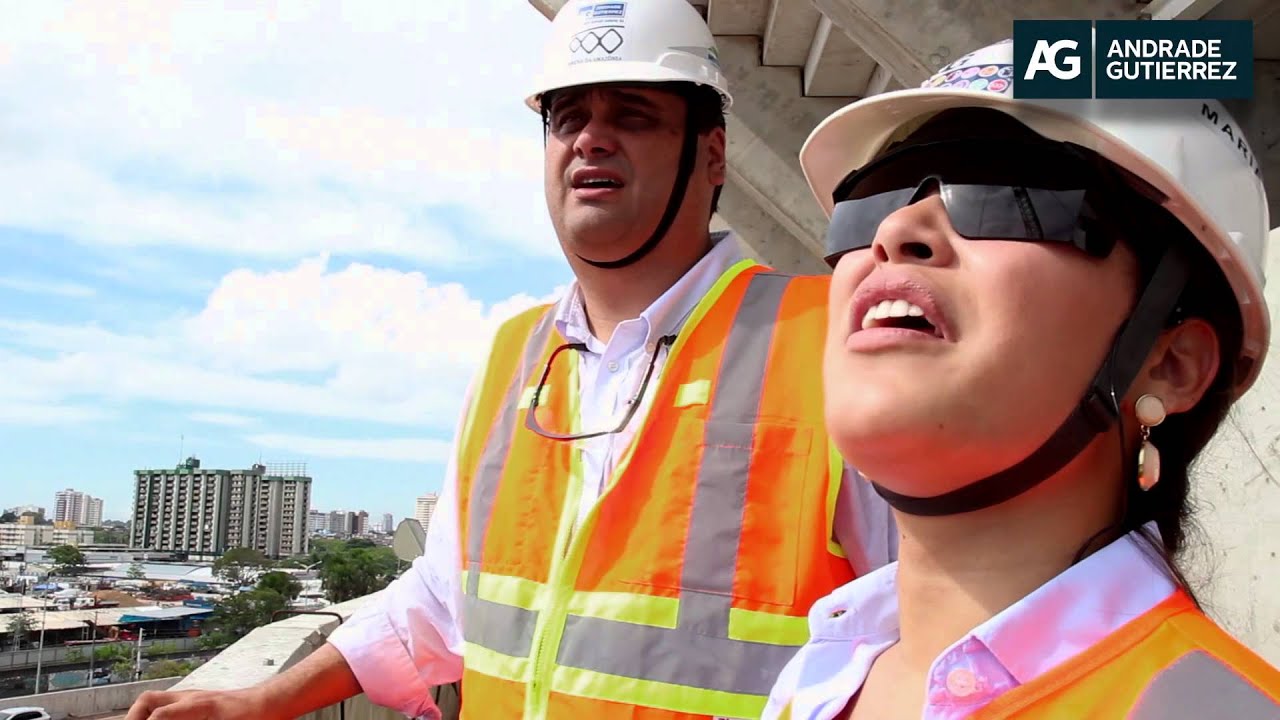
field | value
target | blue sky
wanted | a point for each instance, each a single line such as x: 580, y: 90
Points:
x: 282, y: 234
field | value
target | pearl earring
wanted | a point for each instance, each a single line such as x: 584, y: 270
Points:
x: 1150, y: 412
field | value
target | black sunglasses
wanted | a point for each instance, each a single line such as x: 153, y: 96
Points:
x: 986, y: 196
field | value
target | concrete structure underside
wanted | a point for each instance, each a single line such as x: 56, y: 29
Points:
x: 792, y: 62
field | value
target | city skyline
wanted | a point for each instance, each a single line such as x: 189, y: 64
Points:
x: 269, y: 242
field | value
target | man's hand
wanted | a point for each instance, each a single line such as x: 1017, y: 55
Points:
x: 247, y: 704
x: 322, y: 679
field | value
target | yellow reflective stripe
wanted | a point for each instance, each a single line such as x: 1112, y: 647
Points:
x: 834, y: 478
x: 626, y: 607
x: 489, y: 662
x: 693, y: 393
x: 510, y: 590
x: 561, y: 574
x: 763, y: 627
x: 786, y: 712
x: 647, y: 693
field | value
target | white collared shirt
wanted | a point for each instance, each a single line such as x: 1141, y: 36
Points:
x: 852, y: 626
x: 410, y: 638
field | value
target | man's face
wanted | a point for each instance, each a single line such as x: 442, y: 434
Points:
x: 611, y: 160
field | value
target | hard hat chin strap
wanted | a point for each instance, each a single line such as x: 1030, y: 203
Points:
x: 1096, y: 413
x: 688, y: 156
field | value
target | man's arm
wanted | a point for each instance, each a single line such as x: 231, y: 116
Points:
x: 393, y: 649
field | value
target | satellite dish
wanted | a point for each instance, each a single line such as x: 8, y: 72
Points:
x: 409, y: 540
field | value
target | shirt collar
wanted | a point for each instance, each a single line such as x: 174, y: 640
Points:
x: 1068, y: 614
x: 669, y: 311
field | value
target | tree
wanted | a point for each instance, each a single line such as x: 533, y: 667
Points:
x: 168, y: 668
x: 8, y: 517
x: 136, y: 572
x: 66, y: 558
x: 283, y: 583
x: 20, y: 625
x: 111, y: 536
x: 233, y: 563
x: 236, y: 616
x: 355, y: 569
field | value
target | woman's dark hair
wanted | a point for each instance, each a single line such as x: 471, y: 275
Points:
x: 1182, y: 436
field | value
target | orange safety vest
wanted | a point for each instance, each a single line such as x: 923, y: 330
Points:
x: 685, y: 590
x: 1170, y: 663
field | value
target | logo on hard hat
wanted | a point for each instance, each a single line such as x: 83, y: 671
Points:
x: 607, y: 39
x: 603, y: 11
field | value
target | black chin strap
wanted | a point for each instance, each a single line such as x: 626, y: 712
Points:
x: 1095, y: 414
x: 688, y: 155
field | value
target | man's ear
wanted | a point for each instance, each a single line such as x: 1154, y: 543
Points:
x: 1182, y: 365
x: 716, y: 159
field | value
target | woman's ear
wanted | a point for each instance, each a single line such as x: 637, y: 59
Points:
x: 1182, y: 365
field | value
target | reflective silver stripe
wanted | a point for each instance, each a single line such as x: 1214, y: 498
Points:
x: 699, y: 653
x: 1200, y: 686
x: 499, y: 627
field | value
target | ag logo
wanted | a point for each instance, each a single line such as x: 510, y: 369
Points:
x: 1053, y: 58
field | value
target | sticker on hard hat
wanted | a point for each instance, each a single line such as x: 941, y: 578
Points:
x: 603, y: 11
x: 992, y: 78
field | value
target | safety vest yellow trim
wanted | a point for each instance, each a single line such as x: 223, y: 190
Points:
x: 763, y: 627
x: 836, y: 475
x: 626, y: 607
x: 649, y: 693
x: 481, y: 659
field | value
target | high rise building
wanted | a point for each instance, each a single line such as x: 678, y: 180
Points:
x: 209, y: 511
x: 77, y: 508
x: 317, y: 522
x: 426, y: 506
x: 388, y: 523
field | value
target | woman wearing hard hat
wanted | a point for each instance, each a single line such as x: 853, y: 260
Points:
x: 1040, y: 313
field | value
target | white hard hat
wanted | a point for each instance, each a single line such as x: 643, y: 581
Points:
x: 593, y: 42
x: 1193, y: 151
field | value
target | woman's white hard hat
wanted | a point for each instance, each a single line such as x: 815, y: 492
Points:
x: 1192, y: 151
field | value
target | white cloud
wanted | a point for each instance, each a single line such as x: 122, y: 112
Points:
x: 276, y: 131
x: 223, y: 418
x: 410, y: 449
x: 29, y: 414
x: 47, y: 287
x: 374, y: 344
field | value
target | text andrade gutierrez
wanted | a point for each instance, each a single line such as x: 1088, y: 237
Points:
x: 1165, y: 59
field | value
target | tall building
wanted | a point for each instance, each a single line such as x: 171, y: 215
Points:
x: 360, y: 523
x: 73, y: 506
x: 209, y: 511
x: 317, y: 522
x: 388, y: 523
x: 93, y: 513
x: 340, y: 522
x: 425, y: 507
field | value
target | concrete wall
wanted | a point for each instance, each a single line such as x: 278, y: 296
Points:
x: 1234, y: 557
x: 88, y: 702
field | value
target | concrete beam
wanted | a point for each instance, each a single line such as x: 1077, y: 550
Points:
x: 1265, y: 15
x: 789, y: 32
x: 548, y: 8
x: 762, y: 237
x: 836, y: 66
x: 737, y: 17
x: 1177, y: 9
x: 913, y: 38
x: 769, y: 123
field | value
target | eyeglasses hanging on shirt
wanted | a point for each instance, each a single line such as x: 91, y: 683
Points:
x: 531, y: 419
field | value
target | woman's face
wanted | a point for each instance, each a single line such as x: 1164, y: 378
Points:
x: 1015, y: 331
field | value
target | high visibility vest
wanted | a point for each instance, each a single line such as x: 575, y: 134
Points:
x: 1170, y: 663
x: 685, y: 590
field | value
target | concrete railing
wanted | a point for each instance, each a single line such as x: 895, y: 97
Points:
x: 272, y: 649
x: 89, y: 702
x: 62, y: 655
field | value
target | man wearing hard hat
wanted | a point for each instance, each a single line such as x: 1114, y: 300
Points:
x: 642, y: 504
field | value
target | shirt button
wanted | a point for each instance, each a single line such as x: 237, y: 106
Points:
x: 961, y: 682
x: 613, y: 366
x: 650, y: 347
